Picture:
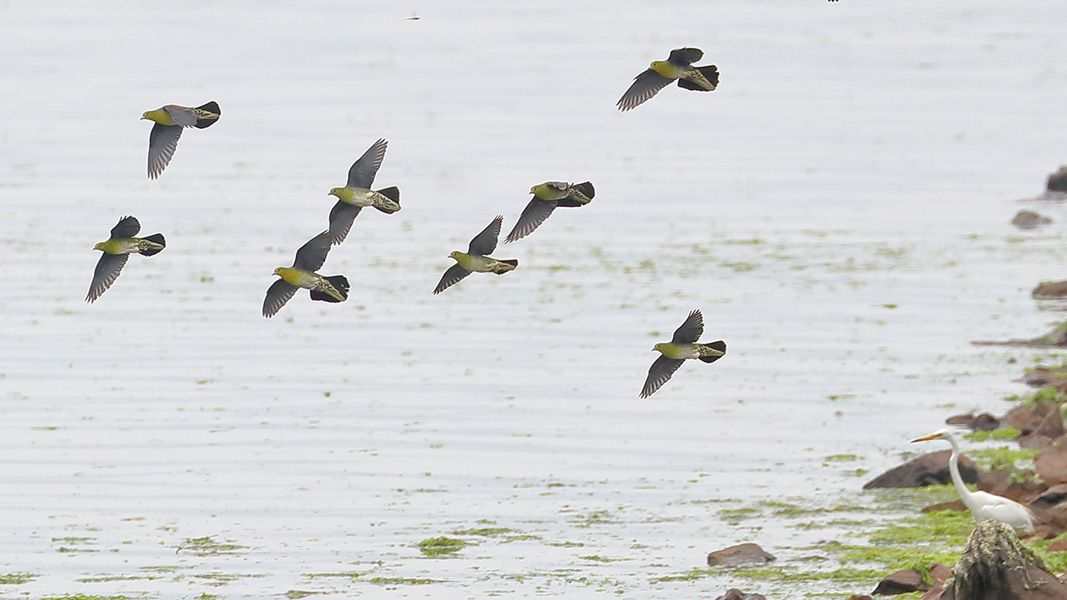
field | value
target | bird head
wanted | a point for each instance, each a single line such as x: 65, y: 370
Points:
x: 342, y: 193
x: 939, y: 434
x: 99, y: 246
x: 144, y: 115
x: 659, y: 347
x: 278, y: 270
x: 663, y: 68
x: 455, y: 254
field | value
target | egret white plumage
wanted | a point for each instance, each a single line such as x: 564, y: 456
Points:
x: 983, y: 505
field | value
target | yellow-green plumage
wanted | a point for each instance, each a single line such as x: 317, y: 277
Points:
x: 683, y: 346
x: 476, y: 259
x: 356, y: 194
x: 309, y: 258
x: 546, y: 198
x: 169, y: 121
x: 116, y: 251
x: 660, y: 73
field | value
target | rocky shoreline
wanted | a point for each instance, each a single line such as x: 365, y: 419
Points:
x: 995, y: 563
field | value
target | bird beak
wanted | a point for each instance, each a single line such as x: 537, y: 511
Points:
x: 932, y: 436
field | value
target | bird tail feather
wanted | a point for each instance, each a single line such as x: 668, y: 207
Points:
x: 513, y: 262
x: 211, y: 107
x: 716, y: 345
x: 710, y: 72
x: 586, y: 188
x: 155, y: 238
x: 392, y: 193
x: 340, y: 283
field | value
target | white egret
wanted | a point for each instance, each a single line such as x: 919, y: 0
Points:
x: 983, y: 505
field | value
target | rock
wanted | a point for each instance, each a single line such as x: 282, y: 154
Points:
x: 1028, y: 219
x: 1050, y: 497
x: 1057, y: 182
x: 954, y: 505
x: 1050, y: 289
x: 983, y: 422
x: 995, y: 565
x: 736, y: 594
x: 939, y: 572
x: 1037, y: 425
x: 1040, y: 377
x: 928, y: 469
x: 1057, y: 546
x: 1051, y: 466
x: 860, y: 597
x: 901, y: 582
x: 1055, y: 338
x: 739, y: 555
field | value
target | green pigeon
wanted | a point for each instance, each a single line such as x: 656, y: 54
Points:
x: 357, y: 193
x: 546, y: 197
x: 679, y: 65
x: 309, y: 258
x: 476, y: 258
x: 681, y: 347
x: 117, y: 250
x: 169, y: 122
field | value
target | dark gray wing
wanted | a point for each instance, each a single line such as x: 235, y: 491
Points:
x: 182, y: 115
x: 645, y: 85
x: 361, y: 174
x: 685, y: 56
x: 127, y: 227
x: 312, y: 254
x: 341, y: 218
x: 690, y: 330
x: 452, y: 276
x: 107, y: 271
x: 485, y: 242
x: 277, y: 295
x: 658, y: 374
x: 162, y: 143
x: 531, y: 218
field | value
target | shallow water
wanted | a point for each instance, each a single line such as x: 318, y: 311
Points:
x: 838, y: 209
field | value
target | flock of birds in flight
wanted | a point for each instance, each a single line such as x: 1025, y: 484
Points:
x: 169, y: 121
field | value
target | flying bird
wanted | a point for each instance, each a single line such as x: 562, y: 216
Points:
x: 546, y: 197
x: 660, y: 73
x: 681, y: 347
x: 309, y: 258
x: 169, y: 122
x: 983, y: 505
x: 476, y: 258
x: 357, y: 193
x: 117, y: 250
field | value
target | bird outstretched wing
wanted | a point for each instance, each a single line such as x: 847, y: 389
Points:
x: 361, y: 174
x: 162, y: 143
x: 451, y: 277
x: 127, y: 227
x: 645, y: 85
x: 107, y: 271
x: 341, y: 217
x: 690, y: 330
x: 531, y: 218
x: 277, y: 295
x: 658, y: 374
x: 312, y: 254
x: 685, y: 56
x: 485, y: 242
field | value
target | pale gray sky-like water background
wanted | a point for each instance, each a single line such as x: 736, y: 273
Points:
x: 838, y: 209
